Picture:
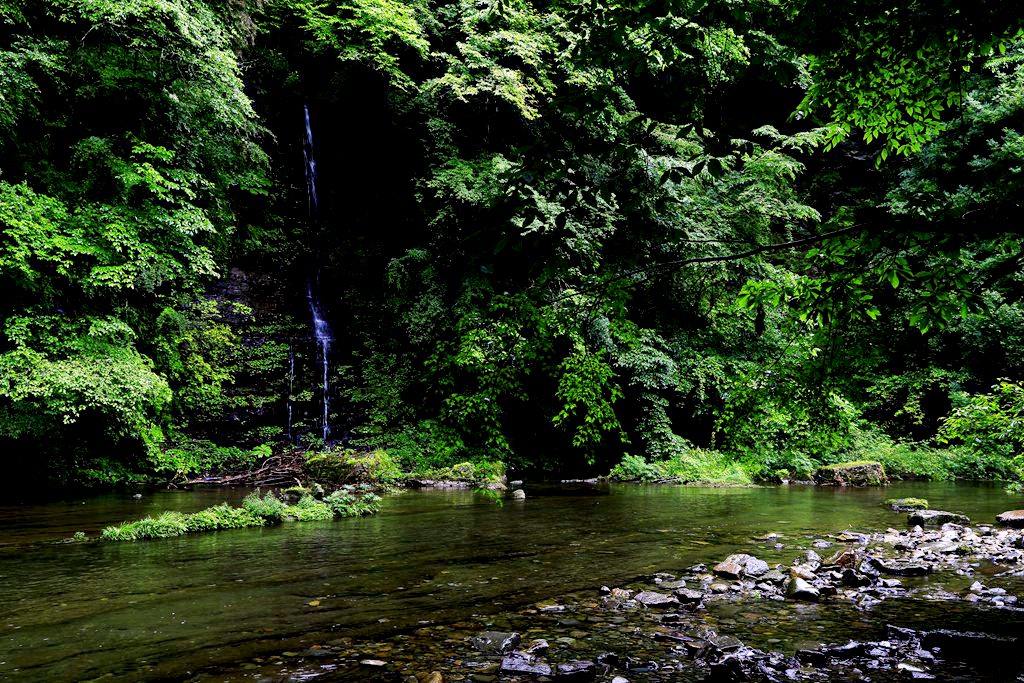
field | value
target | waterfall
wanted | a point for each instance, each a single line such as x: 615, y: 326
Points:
x: 307, y: 153
x: 291, y: 388
x: 323, y: 340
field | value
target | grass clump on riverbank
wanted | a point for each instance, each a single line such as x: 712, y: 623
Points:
x: 694, y: 466
x: 254, y: 512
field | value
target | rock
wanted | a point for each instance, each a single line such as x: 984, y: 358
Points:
x: 801, y: 571
x: 728, y: 570
x: 755, y: 567
x: 576, y: 671
x: 496, y: 641
x: 843, y: 558
x: 897, y: 568
x: 514, y: 665
x: 672, y: 585
x: 536, y: 647
x: 519, y: 494
x: 862, y: 473
x: 1011, y: 518
x: 620, y: 679
x: 935, y: 518
x: 373, y: 662
x: 906, y: 504
x: 434, y: 677
x: 137, y: 496
x: 801, y: 590
x: 655, y: 600
x: 688, y: 595
x: 971, y: 645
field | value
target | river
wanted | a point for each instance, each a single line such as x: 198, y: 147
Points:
x: 174, y: 608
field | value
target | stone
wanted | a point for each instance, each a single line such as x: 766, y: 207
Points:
x: 728, y: 570
x: 935, y: 518
x: 906, y: 504
x: 898, y: 568
x: 576, y: 671
x: 688, y: 595
x: 971, y: 645
x: 672, y: 585
x: 515, y: 665
x: 496, y: 641
x: 861, y: 473
x: 537, y: 647
x: 755, y: 567
x: 655, y: 600
x: 373, y: 662
x: 434, y: 677
x: 842, y: 559
x: 801, y: 590
x: 519, y: 494
x: 1011, y: 518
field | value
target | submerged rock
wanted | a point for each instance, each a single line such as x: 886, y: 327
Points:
x: 519, y: 494
x: 515, y: 665
x: 935, y: 518
x: 1011, y: 518
x: 496, y: 641
x: 657, y: 600
x: 862, y: 473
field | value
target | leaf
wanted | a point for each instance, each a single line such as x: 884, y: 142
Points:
x: 313, y: 603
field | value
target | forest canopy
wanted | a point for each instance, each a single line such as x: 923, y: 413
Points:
x: 747, y: 236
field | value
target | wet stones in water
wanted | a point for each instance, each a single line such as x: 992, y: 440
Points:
x: 688, y: 596
x: 728, y: 570
x: 576, y: 671
x: 739, y: 565
x: 935, y: 518
x: 519, y: 494
x: 496, y: 641
x: 1011, y: 518
x: 897, y: 567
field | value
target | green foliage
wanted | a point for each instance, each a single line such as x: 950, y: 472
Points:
x: 222, y: 516
x: 309, y: 509
x: 343, y: 466
x: 269, y: 507
x: 344, y: 503
x: 166, y: 525
x: 696, y: 466
x: 989, y: 425
x: 191, y: 457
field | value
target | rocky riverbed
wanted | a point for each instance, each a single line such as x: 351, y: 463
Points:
x: 824, y: 616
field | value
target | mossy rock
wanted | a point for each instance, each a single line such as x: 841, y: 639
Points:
x: 906, y: 504
x: 860, y: 473
x: 352, y: 467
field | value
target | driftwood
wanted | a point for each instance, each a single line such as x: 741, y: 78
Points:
x: 278, y: 470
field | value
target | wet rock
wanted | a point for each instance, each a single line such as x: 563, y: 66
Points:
x: 515, y: 665
x: 672, y: 585
x: 728, y: 570
x: 798, y: 589
x: 576, y: 671
x: 688, y: 595
x: 865, y: 473
x: 972, y: 645
x: 519, y: 494
x: 897, y: 567
x: 496, y: 641
x: 1011, y: 518
x: 852, y: 579
x: 655, y: 600
x: 842, y: 559
x: 536, y: 647
x: 375, y: 663
x: 935, y: 518
x: 434, y: 677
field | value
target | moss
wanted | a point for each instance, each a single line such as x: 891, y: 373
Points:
x: 904, y: 504
x: 351, y: 467
x: 856, y: 473
x: 166, y: 525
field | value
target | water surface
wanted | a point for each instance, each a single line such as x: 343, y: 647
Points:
x: 172, y: 607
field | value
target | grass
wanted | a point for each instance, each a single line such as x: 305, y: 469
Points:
x: 694, y: 466
x: 255, y: 511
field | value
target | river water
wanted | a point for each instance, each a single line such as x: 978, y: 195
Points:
x: 172, y: 608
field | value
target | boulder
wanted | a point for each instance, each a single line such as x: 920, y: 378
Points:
x: 799, y: 589
x: 906, y: 504
x: 1011, y: 518
x: 688, y: 595
x: 728, y: 570
x: 580, y: 670
x: 656, y: 600
x: 519, y: 494
x: 863, y: 473
x: 935, y: 518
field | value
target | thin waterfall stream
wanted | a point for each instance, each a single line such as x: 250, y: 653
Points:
x: 321, y: 330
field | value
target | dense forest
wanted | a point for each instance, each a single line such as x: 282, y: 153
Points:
x: 707, y: 239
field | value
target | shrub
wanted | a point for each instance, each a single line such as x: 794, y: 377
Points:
x: 309, y: 509
x: 222, y: 516
x: 166, y: 525
x: 695, y: 465
x: 346, y: 504
x: 269, y: 507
